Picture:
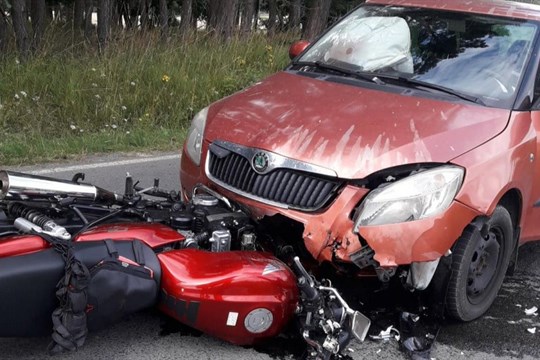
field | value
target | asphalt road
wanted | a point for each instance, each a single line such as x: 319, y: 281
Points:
x: 501, y: 334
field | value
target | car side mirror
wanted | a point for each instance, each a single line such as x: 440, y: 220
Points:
x: 297, y: 48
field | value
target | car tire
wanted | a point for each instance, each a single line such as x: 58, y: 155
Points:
x: 478, y: 266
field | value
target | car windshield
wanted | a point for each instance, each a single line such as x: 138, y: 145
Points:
x: 475, y: 55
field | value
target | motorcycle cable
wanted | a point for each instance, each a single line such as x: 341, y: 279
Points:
x: 99, y: 221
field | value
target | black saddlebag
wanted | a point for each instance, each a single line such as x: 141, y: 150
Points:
x: 125, y: 279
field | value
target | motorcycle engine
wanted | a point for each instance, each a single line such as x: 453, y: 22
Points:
x: 207, y: 223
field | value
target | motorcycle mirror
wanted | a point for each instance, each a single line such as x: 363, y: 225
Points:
x: 360, y: 325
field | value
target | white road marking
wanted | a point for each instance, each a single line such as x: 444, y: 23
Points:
x: 104, y: 164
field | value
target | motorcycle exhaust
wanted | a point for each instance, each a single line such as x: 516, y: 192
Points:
x: 19, y: 186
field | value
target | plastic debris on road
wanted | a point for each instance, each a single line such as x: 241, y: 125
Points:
x: 417, y: 337
x: 390, y: 333
x: 532, y: 311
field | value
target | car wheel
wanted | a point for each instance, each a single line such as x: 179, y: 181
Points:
x: 479, y: 264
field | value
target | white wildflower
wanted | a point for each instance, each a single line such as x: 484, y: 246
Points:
x: 17, y: 97
x: 114, y: 126
x: 17, y: 61
x: 106, y: 125
x: 94, y: 85
x: 81, y: 130
x: 132, y: 83
x: 125, y: 120
x: 124, y: 108
x: 1, y: 106
x: 128, y: 132
x: 94, y: 69
x: 35, y: 98
x: 23, y: 93
x: 97, y: 96
x: 72, y: 127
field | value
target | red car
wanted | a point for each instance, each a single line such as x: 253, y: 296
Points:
x: 401, y: 143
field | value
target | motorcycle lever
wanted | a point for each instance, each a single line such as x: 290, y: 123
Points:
x: 303, y: 272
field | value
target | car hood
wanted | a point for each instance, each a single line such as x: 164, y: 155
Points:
x: 352, y: 130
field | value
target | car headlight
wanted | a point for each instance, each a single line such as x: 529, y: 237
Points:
x: 415, y: 197
x: 195, y: 136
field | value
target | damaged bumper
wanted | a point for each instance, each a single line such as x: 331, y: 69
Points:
x: 329, y: 234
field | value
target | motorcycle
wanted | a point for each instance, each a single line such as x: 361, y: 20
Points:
x: 76, y: 258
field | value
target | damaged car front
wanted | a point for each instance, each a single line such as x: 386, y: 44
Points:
x: 401, y: 137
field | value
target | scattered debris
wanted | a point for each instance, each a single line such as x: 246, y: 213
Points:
x: 389, y: 333
x: 417, y: 337
x: 532, y: 311
x: 532, y: 330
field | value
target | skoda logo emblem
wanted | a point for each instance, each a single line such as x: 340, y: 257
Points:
x: 260, y: 162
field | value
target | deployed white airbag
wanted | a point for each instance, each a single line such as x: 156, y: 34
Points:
x: 374, y: 43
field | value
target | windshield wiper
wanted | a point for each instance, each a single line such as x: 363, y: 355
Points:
x: 352, y: 73
x: 431, y: 86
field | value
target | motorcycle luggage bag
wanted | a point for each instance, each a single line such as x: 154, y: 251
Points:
x: 28, y: 286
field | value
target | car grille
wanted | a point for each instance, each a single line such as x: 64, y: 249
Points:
x: 283, y: 186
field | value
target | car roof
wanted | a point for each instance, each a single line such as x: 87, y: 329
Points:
x: 511, y: 9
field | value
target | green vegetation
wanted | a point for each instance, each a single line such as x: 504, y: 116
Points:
x: 140, y: 94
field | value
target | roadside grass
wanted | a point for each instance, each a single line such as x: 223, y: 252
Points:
x: 140, y: 94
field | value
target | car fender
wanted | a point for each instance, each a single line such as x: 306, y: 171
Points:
x: 505, y: 162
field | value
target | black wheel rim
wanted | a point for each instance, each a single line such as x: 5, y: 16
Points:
x: 484, y: 265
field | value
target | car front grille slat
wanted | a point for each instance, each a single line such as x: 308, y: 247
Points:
x: 284, y: 186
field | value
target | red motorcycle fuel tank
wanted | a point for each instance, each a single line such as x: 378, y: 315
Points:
x: 237, y: 296
x: 154, y: 235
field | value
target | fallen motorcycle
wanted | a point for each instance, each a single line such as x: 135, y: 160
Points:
x: 76, y: 258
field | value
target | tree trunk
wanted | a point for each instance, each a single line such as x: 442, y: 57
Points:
x: 49, y: 16
x: 88, y: 10
x: 38, y: 22
x: 66, y: 12
x: 222, y: 17
x: 272, y: 17
x: 78, y: 15
x: 3, y: 32
x: 163, y: 17
x: 187, y: 14
x: 115, y: 16
x: 317, y: 18
x: 248, y: 14
x: 295, y: 14
x: 18, y: 11
x: 104, y: 23
x: 144, y: 14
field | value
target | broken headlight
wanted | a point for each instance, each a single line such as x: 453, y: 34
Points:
x: 195, y: 136
x: 415, y: 197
